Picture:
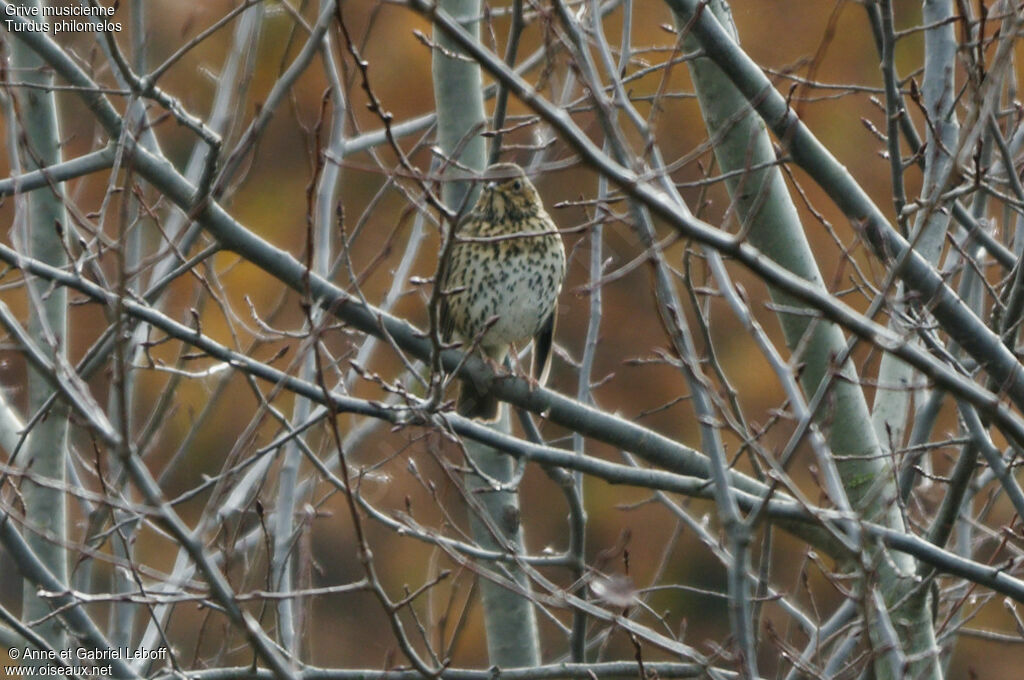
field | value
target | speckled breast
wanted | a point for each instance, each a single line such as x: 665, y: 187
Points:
x: 516, y: 283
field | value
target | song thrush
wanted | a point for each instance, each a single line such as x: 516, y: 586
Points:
x: 502, y: 281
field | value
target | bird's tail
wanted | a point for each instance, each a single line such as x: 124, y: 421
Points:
x: 473, y: 403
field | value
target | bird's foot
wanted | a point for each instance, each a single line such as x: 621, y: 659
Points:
x: 496, y: 366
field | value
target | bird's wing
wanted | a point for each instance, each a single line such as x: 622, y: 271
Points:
x: 446, y: 324
x: 542, y: 343
x: 445, y: 319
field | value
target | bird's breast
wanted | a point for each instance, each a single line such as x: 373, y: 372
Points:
x: 514, y: 284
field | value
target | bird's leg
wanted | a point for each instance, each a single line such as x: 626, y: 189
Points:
x: 523, y: 370
x: 495, y: 359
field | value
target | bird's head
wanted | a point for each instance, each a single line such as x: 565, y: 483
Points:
x: 508, y: 193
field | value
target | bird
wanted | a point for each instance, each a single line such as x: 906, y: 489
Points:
x: 500, y: 287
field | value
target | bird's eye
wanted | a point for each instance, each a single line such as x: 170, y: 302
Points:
x: 517, y: 185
